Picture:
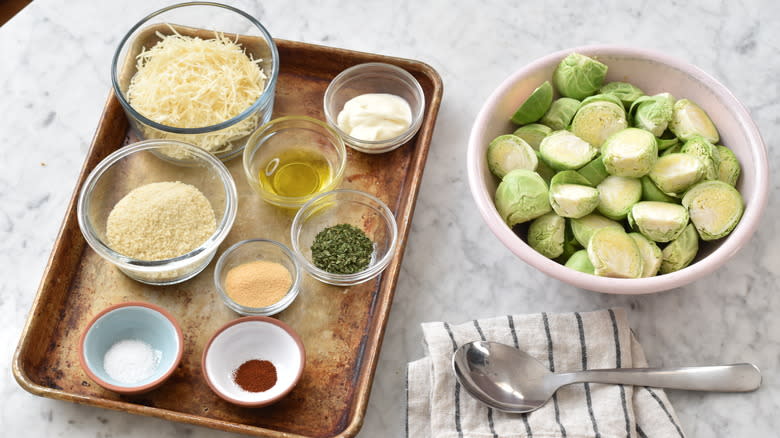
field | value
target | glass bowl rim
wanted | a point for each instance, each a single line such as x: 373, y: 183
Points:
x: 223, y: 227
x: 266, y: 96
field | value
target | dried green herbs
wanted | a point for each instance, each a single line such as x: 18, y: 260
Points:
x: 342, y: 249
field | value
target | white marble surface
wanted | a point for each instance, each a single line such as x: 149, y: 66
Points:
x: 54, y: 78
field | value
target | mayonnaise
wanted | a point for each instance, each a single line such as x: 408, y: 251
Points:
x: 375, y: 116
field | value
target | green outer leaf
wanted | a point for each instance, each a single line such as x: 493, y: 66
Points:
x: 729, y: 168
x: 533, y: 134
x: 521, y: 196
x: 584, y: 227
x: 627, y: 93
x: 651, y: 192
x: 578, y: 76
x: 680, y: 252
x: 594, y: 172
x: 569, y: 177
x: 509, y: 152
x: 546, y: 235
x: 560, y: 113
x: 535, y: 106
x: 579, y: 261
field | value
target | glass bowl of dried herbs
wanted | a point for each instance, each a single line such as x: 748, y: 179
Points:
x: 344, y: 237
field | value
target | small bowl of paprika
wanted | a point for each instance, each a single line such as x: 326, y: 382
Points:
x: 253, y: 361
x: 257, y: 277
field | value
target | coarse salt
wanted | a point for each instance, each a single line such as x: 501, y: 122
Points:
x: 131, y: 361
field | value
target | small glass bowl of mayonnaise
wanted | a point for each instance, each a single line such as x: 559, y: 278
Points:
x: 375, y: 107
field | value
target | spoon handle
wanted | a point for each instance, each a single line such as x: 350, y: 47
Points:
x: 741, y: 377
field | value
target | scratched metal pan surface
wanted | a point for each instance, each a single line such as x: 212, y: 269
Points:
x: 341, y: 328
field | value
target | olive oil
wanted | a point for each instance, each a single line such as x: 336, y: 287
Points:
x: 296, y: 172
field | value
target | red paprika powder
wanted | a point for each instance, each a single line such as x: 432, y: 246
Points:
x: 255, y: 375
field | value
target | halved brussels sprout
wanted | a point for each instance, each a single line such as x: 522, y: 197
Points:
x: 729, y: 169
x: 533, y: 134
x: 594, y: 172
x: 579, y: 261
x: 571, y: 196
x: 651, y: 254
x: 614, y: 253
x: 616, y: 196
x: 563, y: 150
x: 535, y: 106
x: 630, y: 152
x: 596, y: 120
x: 681, y: 251
x: 521, y: 196
x: 584, y: 227
x: 578, y: 76
x: 658, y: 221
x: 509, y: 152
x: 706, y: 152
x: 624, y: 91
x: 651, y: 192
x: 689, y: 120
x: 653, y: 113
x: 715, y: 208
x: 560, y: 113
x: 546, y: 235
x: 674, y: 173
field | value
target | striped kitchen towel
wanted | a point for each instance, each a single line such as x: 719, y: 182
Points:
x: 437, y: 407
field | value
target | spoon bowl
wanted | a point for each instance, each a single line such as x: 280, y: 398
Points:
x: 511, y: 380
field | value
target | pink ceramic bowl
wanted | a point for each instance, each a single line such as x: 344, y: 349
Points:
x: 654, y: 73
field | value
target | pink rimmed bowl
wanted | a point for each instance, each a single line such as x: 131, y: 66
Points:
x: 654, y: 73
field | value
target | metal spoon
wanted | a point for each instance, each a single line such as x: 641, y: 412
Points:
x: 510, y: 380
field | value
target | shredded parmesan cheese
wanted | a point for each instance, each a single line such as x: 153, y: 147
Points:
x: 160, y: 221
x: 189, y: 82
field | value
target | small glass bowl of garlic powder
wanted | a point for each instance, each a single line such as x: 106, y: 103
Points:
x: 375, y: 107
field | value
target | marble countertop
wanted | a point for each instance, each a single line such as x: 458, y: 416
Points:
x: 54, y: 78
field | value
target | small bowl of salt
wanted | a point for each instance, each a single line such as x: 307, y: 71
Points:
x: 131, y: 348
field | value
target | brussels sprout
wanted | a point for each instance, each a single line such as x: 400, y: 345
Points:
x: 546, y: 235
x: 651, y: 254
x: 521, y: 196
x: 594, y: 172
x: 624, y: 91
x: 533, y: 134
x: 614, y: 253
x: 706, y: 152
x: 535, y: 106
x: 584, y: 227
x: 653, y: 113
x: 570, y: 195
x: 579, y: 261
x: 560, y: 113
x: 681, y: 251
x: 729, y: 169
x: 596, y: 120
x: 688, y: 121
x: 658, y: 221
x: 651, y: 192
x: 578, y: 76
x: 630, y: 152
x: 616, y: 196
x: 510, y: 152
x: 674, y: 173
x: 715, y: 208
x: 563, y: 150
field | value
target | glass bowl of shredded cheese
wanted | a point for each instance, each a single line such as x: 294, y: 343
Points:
x: 202, y: 73
x: 159, y: 220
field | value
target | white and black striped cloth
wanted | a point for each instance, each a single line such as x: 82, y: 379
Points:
x: 437, y: 407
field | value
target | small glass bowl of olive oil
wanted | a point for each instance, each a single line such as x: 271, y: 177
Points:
x: 291, y: 159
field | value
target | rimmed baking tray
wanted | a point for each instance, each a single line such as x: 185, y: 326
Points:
x: 342, y: 328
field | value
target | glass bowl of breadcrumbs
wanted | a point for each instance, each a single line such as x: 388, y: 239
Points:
x: 158, y: 219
